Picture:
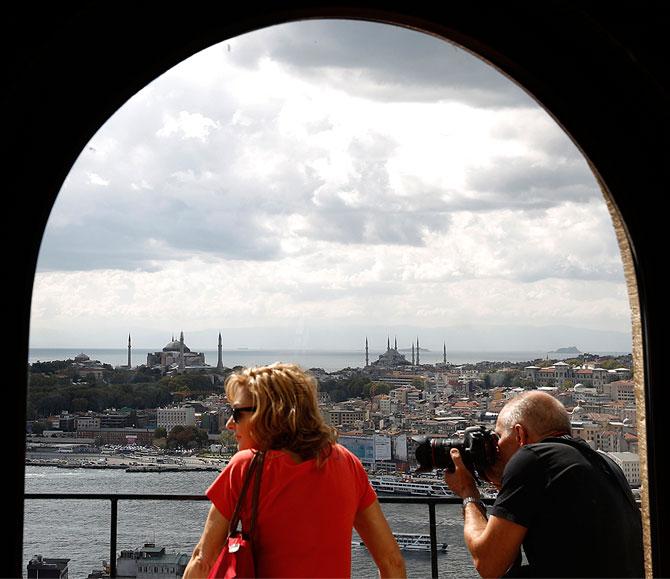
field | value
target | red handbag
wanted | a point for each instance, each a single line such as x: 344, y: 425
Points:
x: 236, y: 560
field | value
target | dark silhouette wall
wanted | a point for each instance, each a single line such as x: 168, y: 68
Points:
x: 599, y: 68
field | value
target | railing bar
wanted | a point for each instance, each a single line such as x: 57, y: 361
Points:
x: 109, y: 497
x: 171, y: 497
x: 112, y: 540
x: 433, y: 540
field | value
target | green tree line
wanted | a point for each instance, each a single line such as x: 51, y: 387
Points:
x: 45, y: 400
x: 55, y: 387
x: 355, y: 387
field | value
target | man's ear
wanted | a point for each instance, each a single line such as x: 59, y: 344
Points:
x: 522, y: 435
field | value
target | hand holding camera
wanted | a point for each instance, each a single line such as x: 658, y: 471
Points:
x: 478, y: 450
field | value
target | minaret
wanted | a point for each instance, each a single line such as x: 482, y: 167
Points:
x: 219, y: 364
x: 367, y: 359
x: 388, y: 344
x: 128, y: 350
x: 181, y: 351
x: 444, y: 354
x: 417, y: 351
x: 395, y: 346
x: 412, y: 353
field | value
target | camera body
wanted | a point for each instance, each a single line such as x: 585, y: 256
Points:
x: 478, y: 449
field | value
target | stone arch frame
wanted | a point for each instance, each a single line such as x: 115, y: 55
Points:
x: 600, y: 71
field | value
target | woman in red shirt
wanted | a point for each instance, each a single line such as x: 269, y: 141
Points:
x: 313, y: 490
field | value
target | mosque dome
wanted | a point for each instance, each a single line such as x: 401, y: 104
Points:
x: 81, y: 358
x: 175, y: 346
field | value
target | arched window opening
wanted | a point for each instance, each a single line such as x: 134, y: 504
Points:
x: 333, y: 193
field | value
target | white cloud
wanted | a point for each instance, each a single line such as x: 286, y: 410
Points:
x: 95, y: 179
x: 188, y: 125
x: 253, y: 186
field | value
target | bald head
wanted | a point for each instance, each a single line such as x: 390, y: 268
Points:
x: 538, y: 412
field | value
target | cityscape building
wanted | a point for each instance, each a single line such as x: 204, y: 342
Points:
x: 168, y: 418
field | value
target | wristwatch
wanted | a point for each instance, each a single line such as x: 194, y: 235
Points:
x: 478, y: 502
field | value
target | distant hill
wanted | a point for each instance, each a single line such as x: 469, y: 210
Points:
x: 569, y: 350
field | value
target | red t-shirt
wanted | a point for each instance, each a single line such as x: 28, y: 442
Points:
x: 305, y: 513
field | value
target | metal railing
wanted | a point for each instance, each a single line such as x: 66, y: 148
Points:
x: 430, y: 502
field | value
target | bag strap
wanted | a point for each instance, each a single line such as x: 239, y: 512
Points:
x: 235, y: 520
x: 256, y: 492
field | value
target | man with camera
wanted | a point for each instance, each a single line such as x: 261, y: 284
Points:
x: 569, y: 506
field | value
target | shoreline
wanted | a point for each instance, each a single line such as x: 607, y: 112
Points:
x: 129, y: 463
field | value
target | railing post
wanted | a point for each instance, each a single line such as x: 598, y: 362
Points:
x: 112, y: 539
x: 433, y: 540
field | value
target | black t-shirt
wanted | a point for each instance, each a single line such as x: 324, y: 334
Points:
x: 581, y: 518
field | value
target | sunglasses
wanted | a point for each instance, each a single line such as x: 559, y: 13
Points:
x: 237, y: 412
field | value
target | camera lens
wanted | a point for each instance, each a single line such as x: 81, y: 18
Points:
x: 432, y: 453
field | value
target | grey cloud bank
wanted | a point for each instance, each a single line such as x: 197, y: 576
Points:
x: 381, y: 62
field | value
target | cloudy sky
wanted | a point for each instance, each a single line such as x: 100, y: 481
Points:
x: 327, y: 178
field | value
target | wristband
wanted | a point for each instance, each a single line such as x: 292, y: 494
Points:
x: 480, y: 505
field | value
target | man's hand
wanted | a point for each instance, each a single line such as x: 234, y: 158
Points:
x: 461, y: 480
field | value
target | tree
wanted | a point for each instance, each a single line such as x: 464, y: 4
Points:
x: 566, y: 385
x: 187, y: 437
x: 39, y: 427
x: 418, y: 383
x: 79, y: 405
x: 160, y: 432
x: 227, y: 439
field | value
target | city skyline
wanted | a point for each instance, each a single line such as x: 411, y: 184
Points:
x: 360, y: 190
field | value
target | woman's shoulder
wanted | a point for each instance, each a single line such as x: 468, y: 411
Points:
x: 241, y: 459
x: 243, y: 455
x: 342, y: 453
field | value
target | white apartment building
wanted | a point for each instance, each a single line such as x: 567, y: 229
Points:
x: 621, y: 391
x: 385, y: 405
x: 630, y: 465
x: 560, y: 372
x: 87, y: 423
x: 404, y: 394
x: 168, y: 418
x: 345, y: 418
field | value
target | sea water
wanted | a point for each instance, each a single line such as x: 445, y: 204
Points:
x: 79, y: 530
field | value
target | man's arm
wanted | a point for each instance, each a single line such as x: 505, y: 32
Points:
x: 494, y: 543
x: 373, y: 528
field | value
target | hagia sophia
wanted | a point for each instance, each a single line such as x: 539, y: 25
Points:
x: 176, y: 356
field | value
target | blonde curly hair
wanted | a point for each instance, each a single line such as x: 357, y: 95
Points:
x: 287, y: 414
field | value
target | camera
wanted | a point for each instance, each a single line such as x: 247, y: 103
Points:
x: 478, y: 449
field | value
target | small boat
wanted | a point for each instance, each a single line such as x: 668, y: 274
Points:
x: 412, y: 542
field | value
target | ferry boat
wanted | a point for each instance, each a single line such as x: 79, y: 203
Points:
x: 413, y: 542
x: 390, y: 485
